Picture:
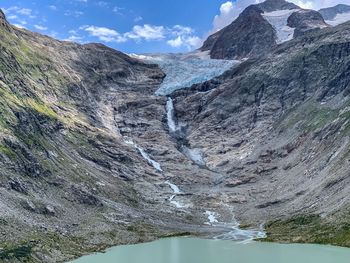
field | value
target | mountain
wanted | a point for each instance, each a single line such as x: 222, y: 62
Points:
x: 91, y: 157
x: 336, y: 15
x: 331, y: 12
x: 277, y: 128
x: 260, y: 28
x: 70, y: 181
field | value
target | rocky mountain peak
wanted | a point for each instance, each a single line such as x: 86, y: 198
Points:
x: 260, y: 28
x: 274, y: 5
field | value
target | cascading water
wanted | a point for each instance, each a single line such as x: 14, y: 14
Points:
x: 145, y: 156
x: 176, y: 191
x: 171, y: 115
x: 176, y: 130
x: 234, y: 233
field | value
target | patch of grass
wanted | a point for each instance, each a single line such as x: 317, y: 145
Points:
x: 7, y: 151
x: 42, y: 108
x: 21, y: 252
x: 311, y: 115
x: 309, y: 229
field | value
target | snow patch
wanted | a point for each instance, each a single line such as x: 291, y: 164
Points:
x: 279, y: 21
x: 145, y: 156
x: 211, y: 217
x: 339, y: 19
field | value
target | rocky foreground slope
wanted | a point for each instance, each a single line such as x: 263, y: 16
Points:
x: 90, y: 157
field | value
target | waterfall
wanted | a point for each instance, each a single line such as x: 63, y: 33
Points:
x: 145, y: 156
x: 171, y: 115
x: 176, y: 191
x: 194, y: 155
x: 174, y: 187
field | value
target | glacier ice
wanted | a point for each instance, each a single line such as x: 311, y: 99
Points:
x: 184, y: 70
x: 279, y: 20
x: 339, y: 19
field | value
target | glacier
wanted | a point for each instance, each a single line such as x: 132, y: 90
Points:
x: 339, y: 19
x: 186, y: 69
x: 279, y: 20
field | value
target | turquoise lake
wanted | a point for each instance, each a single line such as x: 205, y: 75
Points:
x: 194, y: 250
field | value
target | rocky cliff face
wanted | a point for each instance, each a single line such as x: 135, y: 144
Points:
x: 69, y: 181
x: 249, y: 35
x: 276, y: 128
x: 260, y: 28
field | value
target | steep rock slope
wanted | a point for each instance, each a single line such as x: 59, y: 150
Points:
x: 70, y: 182
x: 260, y: 28
x: 277, y: 129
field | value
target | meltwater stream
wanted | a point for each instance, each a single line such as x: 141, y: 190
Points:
x: 193, y: 250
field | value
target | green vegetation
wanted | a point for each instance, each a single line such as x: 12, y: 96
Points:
x: 42, y: 108
x: 21, y: 252
x: 309, y: 229
x: 311, y: 116
x: 7, y: 151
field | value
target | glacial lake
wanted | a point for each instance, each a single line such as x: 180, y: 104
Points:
x: 194, y: 250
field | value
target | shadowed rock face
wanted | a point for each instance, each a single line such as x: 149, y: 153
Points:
x: 331, y: 12
x: 306, y: 20
x: 249, y: 35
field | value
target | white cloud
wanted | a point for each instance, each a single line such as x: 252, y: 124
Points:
x: 74, y: 39
x: 146, y: 32
x: 75, y: 13
x: 118, y: 10
x: 24, y: 12
x: 41, y: 28
x: 53, y: 7
x: 138, y: 19
x: 104, y: 34
x: 228, y: 12
x: 177, y: 36
x: 19, y: 25
x: 177, y: 42
x: 184, y: 37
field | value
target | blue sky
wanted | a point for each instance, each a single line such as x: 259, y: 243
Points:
x: 132, y: 26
